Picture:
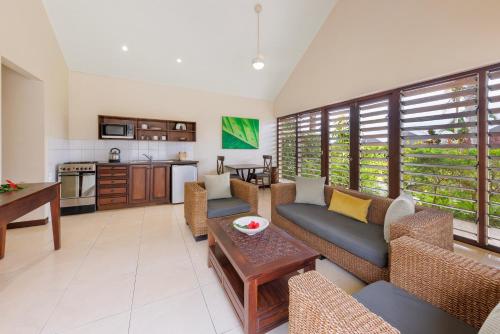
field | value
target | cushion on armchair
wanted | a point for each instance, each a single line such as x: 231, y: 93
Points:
x: 226, y: 207
x: 218, y: 186
x: 407, y: 313
x: 492, y: 323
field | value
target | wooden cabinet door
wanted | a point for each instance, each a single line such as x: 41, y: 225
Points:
x: 139, y: 183
x: 160, y: 183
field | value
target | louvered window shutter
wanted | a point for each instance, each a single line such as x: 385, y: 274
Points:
x: 439, y: 148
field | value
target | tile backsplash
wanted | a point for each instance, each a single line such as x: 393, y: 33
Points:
x: 64, y: 150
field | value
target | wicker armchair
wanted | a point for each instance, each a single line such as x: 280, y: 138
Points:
x: 195, y: 204
x: 430, y: 225
x: 460, y: 286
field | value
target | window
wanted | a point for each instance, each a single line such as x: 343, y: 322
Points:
x: 373, y: 147
x: 494, y: 158
x: 438, y: 140
x: 287, y: 147
x: 309, y: 151
x: 439, y: 148
x: 339, y: 146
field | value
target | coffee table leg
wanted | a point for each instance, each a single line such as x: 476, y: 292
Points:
x: 211, y: 242
x: 3, y: 235
x: 250, y: 296
x: 310, y: 266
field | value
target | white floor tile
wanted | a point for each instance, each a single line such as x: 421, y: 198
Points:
x: 185, y: 313
x: 87, y: 301
x: 220, y: 308
x: 117, y: 324
x: 154, y: 283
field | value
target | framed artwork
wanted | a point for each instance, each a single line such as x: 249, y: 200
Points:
x: 240, y: 133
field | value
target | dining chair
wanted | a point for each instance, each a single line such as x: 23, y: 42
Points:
x: 266, y: 172
x: 220, y: 164
x: 220, y: 168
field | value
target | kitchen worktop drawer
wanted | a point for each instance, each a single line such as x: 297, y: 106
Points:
x: 104, y: 201
x: 112, y: 191
x: 113, y: 182
x: 106, y: 174
x: 112, y: 171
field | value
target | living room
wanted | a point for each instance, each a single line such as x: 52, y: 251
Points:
x: 249, y: 167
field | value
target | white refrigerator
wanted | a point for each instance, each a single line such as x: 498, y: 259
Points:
x: 180, y: 175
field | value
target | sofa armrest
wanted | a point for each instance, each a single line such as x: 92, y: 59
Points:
x: 247, y: 192
x: 317, y: 306
x: 461, y: 286
x: 281, y: 193
x: 195, y: 203
x: 433, y: 226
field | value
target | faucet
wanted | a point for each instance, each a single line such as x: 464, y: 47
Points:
x: 149, y: 157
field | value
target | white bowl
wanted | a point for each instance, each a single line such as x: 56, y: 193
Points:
x: 240, y: 224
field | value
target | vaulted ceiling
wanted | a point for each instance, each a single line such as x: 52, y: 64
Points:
x: 216, y: 40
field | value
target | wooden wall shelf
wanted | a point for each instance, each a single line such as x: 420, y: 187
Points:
x: 153, y: 129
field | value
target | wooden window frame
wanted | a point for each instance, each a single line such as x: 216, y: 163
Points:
x: 394, y: 96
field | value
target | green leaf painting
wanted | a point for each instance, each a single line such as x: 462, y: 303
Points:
x: 240, y: 133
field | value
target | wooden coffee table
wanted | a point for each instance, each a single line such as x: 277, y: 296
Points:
x: 254, y: 271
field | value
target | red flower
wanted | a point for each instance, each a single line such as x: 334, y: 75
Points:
x: 12, y: 185
x: 253, y: 225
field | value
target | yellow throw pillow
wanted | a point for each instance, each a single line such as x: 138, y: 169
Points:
x: 350, y: 206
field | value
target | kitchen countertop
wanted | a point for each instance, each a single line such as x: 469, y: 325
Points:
x: 145, y: 162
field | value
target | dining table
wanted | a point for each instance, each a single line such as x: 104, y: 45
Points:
x: 31, y: 196
x: 248, y: 168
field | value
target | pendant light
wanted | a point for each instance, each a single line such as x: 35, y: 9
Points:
x: 258, y: 62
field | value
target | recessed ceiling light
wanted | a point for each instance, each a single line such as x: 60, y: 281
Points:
x: 179, y: 60
x: 124, y: 48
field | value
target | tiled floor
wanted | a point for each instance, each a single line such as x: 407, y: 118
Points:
x: 126, y: 271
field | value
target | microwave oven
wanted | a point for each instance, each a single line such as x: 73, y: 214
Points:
x: 117, y: 131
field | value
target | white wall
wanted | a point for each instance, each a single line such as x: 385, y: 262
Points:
x: 22, y: 137
x: 91, y: 95
x: 368, y: 46
x: 27, y: 42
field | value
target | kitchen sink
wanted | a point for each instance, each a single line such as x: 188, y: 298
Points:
x: 153, y: 161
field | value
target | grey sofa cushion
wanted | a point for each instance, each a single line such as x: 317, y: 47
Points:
x: 226, y: 207
x: 408, y: 313
x: 363, y: 240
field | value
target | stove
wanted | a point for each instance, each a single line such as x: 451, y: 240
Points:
x: 78, y: 187
x: 77, y: 166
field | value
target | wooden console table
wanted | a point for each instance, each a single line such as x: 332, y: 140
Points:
x: 33, y: 195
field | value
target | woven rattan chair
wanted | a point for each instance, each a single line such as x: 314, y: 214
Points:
x: 460, y: 286
x: 429, y: 225
x: 196, y: 204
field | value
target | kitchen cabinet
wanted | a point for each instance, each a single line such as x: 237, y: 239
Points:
x: 160, y: 183
x: 112, y: 186
x: 151, y: 129
x: 123, y: 185
x: 139, y: 184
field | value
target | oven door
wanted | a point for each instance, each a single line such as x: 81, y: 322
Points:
x: 70, y: 185
x: 87, y: 184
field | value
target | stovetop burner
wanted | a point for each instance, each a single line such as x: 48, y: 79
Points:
x: 80, y: 166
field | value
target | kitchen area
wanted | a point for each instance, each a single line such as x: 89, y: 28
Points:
x: 140, y: 168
